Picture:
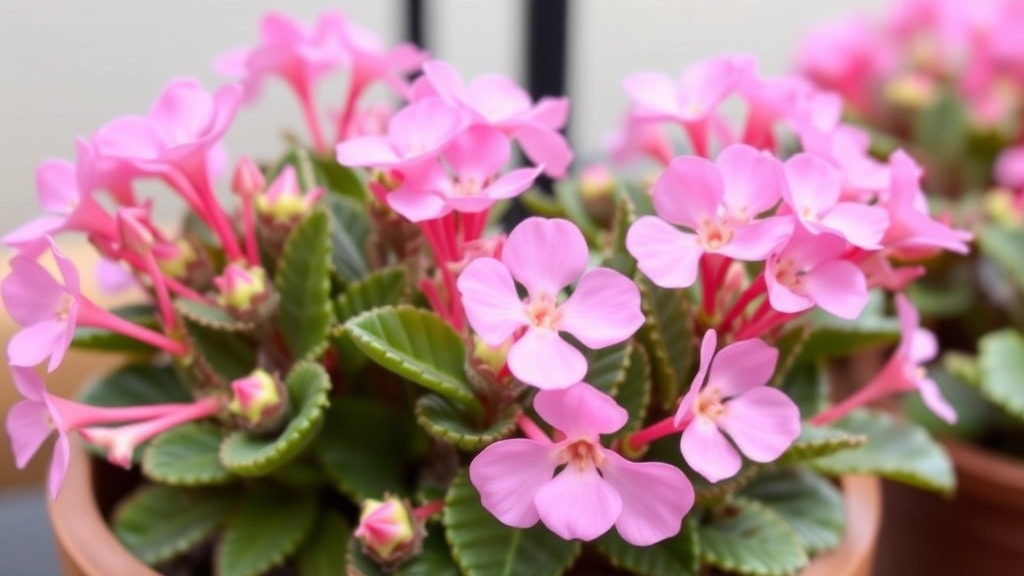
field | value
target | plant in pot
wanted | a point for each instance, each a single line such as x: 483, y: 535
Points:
x: 944, y: 81
x: 349, y: 368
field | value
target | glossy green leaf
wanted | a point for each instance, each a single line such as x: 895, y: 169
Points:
x: 364, y: 448
x: 136, y: 385
x: 302, y: 161
x: 1001, y: 363
x: 229, y: 355
x: 350, y: 230
x: 448, y: 422
x: 833, y: 337
x: 303, y: 281
x: 668, y: 336
x: 386, y: 287
x: 616, y: 256
x: 635, y: 392
x: 247, y: 454
x: 896, y: 450
x: 324, y: 553
x: 676, y: 556
x: 606, y: 368
x: 157, y: 522
x: 267, y: 529
x: 337, y: 179
x: 807, y: 384
x: 418, y: 345
x: 810, y: 504
x: 1003, y: 245
x: 745, y: 537
x: 789, y: 345
x: 188, y: 455
x: 818, y: 441
x: 483, y: 546
x: 210, y: 316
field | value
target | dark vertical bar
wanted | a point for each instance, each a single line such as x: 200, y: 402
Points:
x: 415, y: 23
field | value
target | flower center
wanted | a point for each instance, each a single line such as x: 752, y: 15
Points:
x: 542, y: 309
x: 713, y: 235
x: 63, y: 309
x: 582, y: 454
x: 466, y: 187
x: 808, y: 214
x: 709, y: 404
x: 787, y: 274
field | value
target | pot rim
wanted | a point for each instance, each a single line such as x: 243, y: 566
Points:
x: 87, y: 546
x: 996, y: 473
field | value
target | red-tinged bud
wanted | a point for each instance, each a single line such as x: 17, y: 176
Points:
x: 182, y: 261
x: 389, y: 531
x: 246, y: 293
x: 259, y: 402
x: 135, y: 230
x: 247, y: 180
x: 284, y: 203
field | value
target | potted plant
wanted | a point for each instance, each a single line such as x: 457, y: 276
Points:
x: 943, y: 80
x: 350, y: 368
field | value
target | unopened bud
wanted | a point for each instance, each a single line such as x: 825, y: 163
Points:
x: 389, y: 531
x: 246, y: 293
x: 180, y: 260
x: 597, y: 192
x: 259, y: 402
x: 247, y: 180
x: 284, y: 204
x: 493, y: 358
x: 915, y: 91
x: 134, y: 229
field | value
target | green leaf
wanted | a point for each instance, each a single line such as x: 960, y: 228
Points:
x: 1001, y: 360
x: 1003, y: 245
x: 267, y: 528
x: 833, y: 337
x: 384, y: 287
x: 305, y: 172
x: 157, y: 523
x: 337, y: 179
x: 448, y: 422
x: 186, y: 456
x: 230, y: 355
x: 607, y: 367
x: 807, y: 385
x: 434, y: 560
x: 350, y: 229
x: 745, y: 537
x: 483, y: 546
x: 251, y: 455
x: 540, y: 203
x: 364, y: 448
x: 212, y: 317
x: 668, y: 336
x: 418, y: 345
x: 667, y: 450
x: 810, y: 504
x: 943, y: 127
x: 896, y: 450
x: 818, y: 441
x: 677, y: 556
x: 322, y: 554
x: 137, y: 385
x: 789, y: 346
x: 617, y: 257
x: 100, y: 340
x: 635, y: 393
x: 304, y: 284
x: 568, y: 197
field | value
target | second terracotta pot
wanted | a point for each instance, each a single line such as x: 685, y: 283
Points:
x: 979, y: 532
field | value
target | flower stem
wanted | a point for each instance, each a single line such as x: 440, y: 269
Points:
x: 531, y: 430
x: 429, y: 509
x: 666, y: 427
x: 89, y: 314
x: 76, y: 415
x: 756, y: 288
x: 306, y: 101
x: 252, y: 250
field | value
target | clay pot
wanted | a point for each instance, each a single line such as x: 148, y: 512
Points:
x: 981, y: 531
x: 87, y: 547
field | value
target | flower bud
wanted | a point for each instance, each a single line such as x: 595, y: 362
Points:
x: 135, y: 231
x: 389, y: 531
x: 247, y: 180
x: 259, y: 402
x: 914, y: 91
x: 493, y: 358
x: 597, y: 192
x: 284, y: 205
x: 246, y: 293
x: 180, y: 260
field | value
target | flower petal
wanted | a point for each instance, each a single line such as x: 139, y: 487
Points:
x: 508, y: 475
x: 756, y: 240
x: 59, y: 465
x: 489, y: 298
x: 839, y: 287
x: 763, y: 423
x: 564, y: 251
x: 708, y: 452
x: 653, y: 94
x: 813, y: 185
x: 603, y: 310
x: 688, y: 191
x: 578, y: 504
x: 33, y: 344
x: 28, y: 428
x: 28, y: 383
x: 542, y: 359
x: 669, y: 257
x: 478, y: 152
x: 707, y: 351
x: 545, y: 147
x: 742, y: 366
x: 366, y: 151
x: 655, y: 498
x: 30, y: 293
x: 580, y: 410
x: 512, y: 183
x: 861, y: 225
x: 933, y: 399
x: 752, y: 179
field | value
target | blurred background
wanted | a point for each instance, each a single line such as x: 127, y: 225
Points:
x: 71, y: 65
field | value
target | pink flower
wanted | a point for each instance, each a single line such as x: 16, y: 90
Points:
x: 813, y: 192
x: 718, y: 204
x: 843, y: 56
x: 1009, y: 170
x: 809, y: 271
x: 497, y: 101
x: 847, y: 147
x: 65, y: 193
x: 520, y: 483
x: 761, y: 421
x: 416, y: 133
x: 638, y: 138
x: 545, y: 256
x: 297, y: 53
x: 700, y: 90
x: 31, y: 421
x: 910, y: 225
x: 372, y: 61
x: 475, y: 157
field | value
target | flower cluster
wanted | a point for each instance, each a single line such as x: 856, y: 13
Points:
x: 349, y: 295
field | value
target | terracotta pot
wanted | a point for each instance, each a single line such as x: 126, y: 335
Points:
x: 980, y: 532
x: 87, y: 547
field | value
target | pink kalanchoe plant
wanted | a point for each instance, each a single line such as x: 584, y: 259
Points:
x: 519, y: 481
x: 352, y: 340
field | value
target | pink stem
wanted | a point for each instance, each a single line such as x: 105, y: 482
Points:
x: 756, y: 288
x: 531, y: 430
x: 429, y: 509
x: 637, y: 440
x: 252, y: 250
x: 198, y: 410
x: 89, y: 314
x: 175, y: 179
x: 172, y: 284
x: 218, y: 219
x: 355, y: 89
x: 770, y: 321
x: 160, y: 287
x: 306, y: 101
x: 75, y: 415
x: 879, y: 387
x: 698, y: 133
x: 708, y: 287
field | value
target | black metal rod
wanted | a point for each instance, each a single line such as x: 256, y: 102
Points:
x: 547, y: 32
x: 415, y: 22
